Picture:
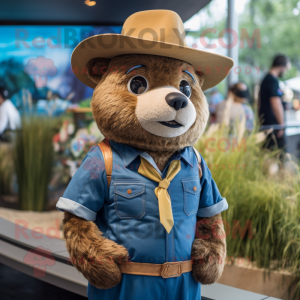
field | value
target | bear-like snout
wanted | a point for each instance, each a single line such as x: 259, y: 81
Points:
x: 118, y: 112
x: 165, y: 111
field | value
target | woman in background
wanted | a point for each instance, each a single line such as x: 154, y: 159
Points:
x: 234, y: 110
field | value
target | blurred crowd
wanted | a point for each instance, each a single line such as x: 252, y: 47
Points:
x: 235, y: 110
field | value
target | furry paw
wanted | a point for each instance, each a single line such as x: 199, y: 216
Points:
x: 209, y: 250
x: 103, y: 271
x: 96, y: 257
x: 208, y: 263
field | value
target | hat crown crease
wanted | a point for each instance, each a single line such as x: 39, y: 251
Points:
x: 157, y: 25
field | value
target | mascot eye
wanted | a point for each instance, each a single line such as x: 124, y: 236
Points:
x: 185, y: 88
x: 138, y: 85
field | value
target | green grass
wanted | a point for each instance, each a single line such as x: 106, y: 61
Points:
x: 6, y: 170
x: 33, y: 158
x: 269, y: 203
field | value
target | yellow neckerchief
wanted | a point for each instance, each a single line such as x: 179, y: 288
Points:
x: 164, y: 200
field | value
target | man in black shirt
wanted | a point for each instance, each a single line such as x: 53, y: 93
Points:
x: 271, y: 110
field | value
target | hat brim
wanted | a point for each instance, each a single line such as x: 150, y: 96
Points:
x: 215, y: 67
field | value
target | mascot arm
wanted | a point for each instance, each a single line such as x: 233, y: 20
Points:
x: 209, y: 250
x: 96, y: 257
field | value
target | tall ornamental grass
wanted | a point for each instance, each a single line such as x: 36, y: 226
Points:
x: 266, y: 206
x: 6, y: 170
x: 33, y: 158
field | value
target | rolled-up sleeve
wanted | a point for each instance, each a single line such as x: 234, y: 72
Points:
x: 85, y: 194
x: 211, y: 201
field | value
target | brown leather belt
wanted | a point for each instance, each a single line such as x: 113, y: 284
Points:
x: 166, y: 270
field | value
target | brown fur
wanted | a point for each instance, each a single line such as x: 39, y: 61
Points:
x: 209, y: 250
x: 114, y: 109
x: 96, y: 257
x: 96, y: 68
x: 160, y: 158
x: 114, y: 112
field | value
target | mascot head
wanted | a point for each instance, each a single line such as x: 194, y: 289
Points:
x: 148, y: 83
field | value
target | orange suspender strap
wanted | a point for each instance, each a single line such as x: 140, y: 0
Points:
x: 108, y: 158
x: 199, y: 161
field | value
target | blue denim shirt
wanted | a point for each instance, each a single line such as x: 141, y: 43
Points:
x: 132, y: 219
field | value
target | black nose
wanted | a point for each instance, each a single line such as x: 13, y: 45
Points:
x: 177, y: 100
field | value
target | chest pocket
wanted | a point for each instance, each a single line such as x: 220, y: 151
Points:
x: 191, y: 191
x: 130, y: 199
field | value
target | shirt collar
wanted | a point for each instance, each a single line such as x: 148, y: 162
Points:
x: 129, y: 154
x: 188, y: 155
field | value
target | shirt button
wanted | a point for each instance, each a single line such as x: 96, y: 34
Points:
x: 129, y: 191
x: 195, y: 188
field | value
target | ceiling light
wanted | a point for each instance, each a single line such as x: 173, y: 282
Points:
x: 90, y: 3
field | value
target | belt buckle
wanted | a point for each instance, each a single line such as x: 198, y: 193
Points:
x: 171, y: 269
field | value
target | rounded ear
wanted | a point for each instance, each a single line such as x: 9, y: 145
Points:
x: 96, y: 68
x: 200, y: 76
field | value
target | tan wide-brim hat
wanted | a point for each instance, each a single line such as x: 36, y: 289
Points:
x: 155, y: 32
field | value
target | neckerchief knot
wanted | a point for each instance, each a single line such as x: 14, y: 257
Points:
x: 161, y: 192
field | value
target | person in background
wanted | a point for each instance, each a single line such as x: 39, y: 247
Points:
x: 234, y: 110
x: 271, y: 108
x: 214, y: 99
x: 9, y: 115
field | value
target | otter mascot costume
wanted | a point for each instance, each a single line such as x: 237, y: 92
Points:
x: 142, y: 213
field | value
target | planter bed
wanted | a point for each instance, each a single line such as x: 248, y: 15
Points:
x: 48, y: 222
x: 252, y: 279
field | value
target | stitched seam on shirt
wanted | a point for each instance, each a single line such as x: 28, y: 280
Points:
x: 173, y: 243
x: 73, y: 206
x: 87, y: 181
x: 185, y: 195
x: 82, y: 207
x: 166, y: 288
x: 131, y: 159
x: 134, y: 156
x: 187, y: 160
x: 109, y: 231
x: 188, y: 213
x: 183, y: 180
x: 140, y: 215
x: 167, y: 243
x: 223, y: 198
x: 128, y: 181
x: 153, y: 165
x: 191, y: 177
x: 133, y: 195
